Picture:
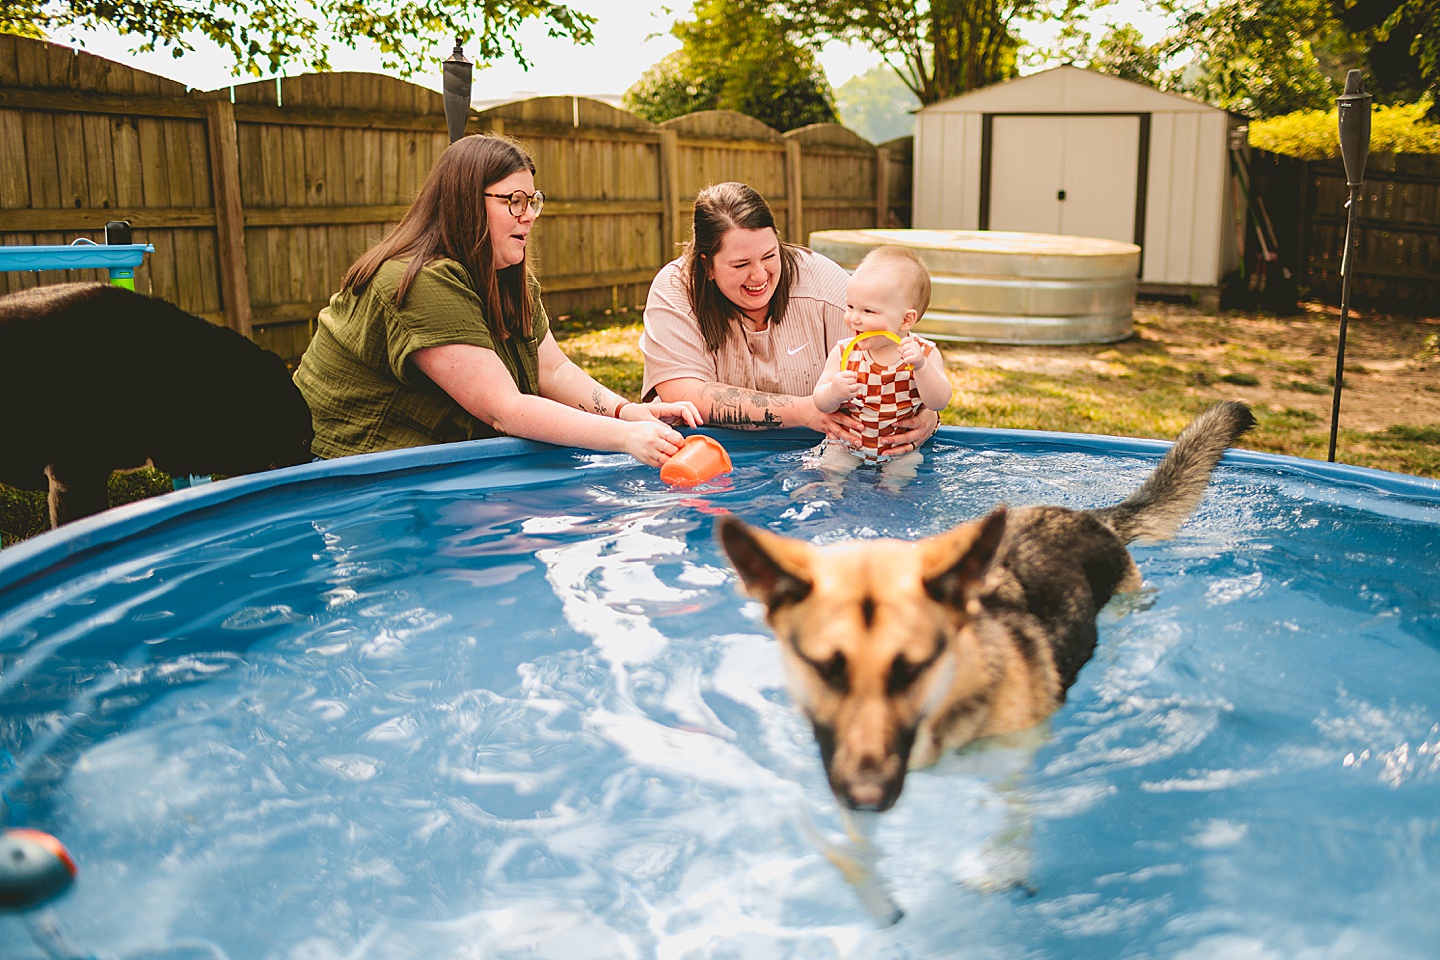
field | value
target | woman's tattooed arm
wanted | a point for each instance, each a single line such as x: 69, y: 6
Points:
x: 748, y: 409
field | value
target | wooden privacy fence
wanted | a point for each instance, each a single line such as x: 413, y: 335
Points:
x: 1398, y: 262
x: 258, y: 197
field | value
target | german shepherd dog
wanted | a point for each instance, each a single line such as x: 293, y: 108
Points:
x: 898, y: 651
x: 95, y: 378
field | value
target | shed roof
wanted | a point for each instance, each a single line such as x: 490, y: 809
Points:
x: 1068, y: 89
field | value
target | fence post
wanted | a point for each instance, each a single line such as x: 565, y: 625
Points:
x: 670, y: 219
x: 882, y: 188
x: 793, y: 188
x: 229, y: 214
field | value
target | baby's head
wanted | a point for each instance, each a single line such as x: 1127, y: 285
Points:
x: 890, y: 287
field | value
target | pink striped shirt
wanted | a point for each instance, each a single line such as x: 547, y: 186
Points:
x: 785, y: 358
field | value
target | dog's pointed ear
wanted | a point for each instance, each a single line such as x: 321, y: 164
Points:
x: 774, y: 569
x: 955, y: 561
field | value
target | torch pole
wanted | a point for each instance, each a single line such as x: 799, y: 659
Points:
x: 1354, y: 119
x: 456, y: 92
x: 1350, y: 243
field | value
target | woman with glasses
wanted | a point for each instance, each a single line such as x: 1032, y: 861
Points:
x: 740, y: 325
x: 438, y: 332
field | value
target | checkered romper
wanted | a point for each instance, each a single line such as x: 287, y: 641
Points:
x: 890, y: 395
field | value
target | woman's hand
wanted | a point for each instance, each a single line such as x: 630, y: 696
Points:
x: 913, y: 431
x: 681, y: 411
x: 651, y: 441
x: 839, y: 425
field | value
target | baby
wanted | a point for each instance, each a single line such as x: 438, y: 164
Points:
x: 883, y: 372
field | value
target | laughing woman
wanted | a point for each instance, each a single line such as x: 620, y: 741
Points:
x: 740, y: 325
x: 438, y: 332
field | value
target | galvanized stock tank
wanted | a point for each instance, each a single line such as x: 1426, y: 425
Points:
x: 997, y: 287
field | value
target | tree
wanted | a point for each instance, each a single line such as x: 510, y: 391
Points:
x: 735, y: 56
x: 1259, y: 57
x: 672, y: 88
x: 1403, y: 51
x: 939, y: 49
x: 1122, y: 52
x: 272, y: 35
x: 877, y: 105
x: 1272, y: 57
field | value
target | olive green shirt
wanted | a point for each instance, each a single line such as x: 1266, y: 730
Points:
x: 366, y: 395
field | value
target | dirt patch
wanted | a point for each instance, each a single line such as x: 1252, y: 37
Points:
x: 1392, y: 364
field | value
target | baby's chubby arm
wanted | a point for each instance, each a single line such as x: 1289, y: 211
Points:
x: 836, y: 386
x: 930, y: 378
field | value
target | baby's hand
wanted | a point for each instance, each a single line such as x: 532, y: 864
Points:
x: 845, y: 386
x: 912, y: 351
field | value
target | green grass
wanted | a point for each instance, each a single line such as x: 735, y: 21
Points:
x: 24, y: 513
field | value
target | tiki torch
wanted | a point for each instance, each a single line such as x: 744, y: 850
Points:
x: 1354, y: 109
x: 457, y: 92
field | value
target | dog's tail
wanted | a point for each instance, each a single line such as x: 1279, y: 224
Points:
x: 1170, y: 494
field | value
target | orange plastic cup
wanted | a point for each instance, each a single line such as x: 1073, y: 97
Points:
x: 699, y: 459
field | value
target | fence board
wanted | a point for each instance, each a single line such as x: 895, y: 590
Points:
x: 40, y: 160
x: 99, y: 162
x: 327, y: 163
x: 9, y: 67
x: 14, y: 168
x: 1397, y: 264
x: 900, y: 154
x: 70, y: 156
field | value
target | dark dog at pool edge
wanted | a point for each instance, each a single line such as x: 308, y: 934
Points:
x: 97, y: 378
x: 898, y: 651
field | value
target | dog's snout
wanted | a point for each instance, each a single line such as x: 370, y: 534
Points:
x: 872, y: 795
x: 869, y: 796
x: 871, y: 781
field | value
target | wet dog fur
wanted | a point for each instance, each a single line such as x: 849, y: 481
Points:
x: 897, y: 651
x: 97, y: 378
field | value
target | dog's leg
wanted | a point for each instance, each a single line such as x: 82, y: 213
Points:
x: 76, y: 492
x: 855, y: 858
x: 1008, y: 855
x: 1004, y: 862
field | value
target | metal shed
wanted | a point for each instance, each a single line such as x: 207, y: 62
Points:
x: 1075, y: 152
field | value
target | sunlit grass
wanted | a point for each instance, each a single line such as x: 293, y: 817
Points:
x: 1139, y: 391
x: 24, y: 513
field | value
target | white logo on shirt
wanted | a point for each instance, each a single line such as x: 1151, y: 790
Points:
x: 797, y: 349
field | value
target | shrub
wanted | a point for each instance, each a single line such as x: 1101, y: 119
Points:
x: 1315, y: 134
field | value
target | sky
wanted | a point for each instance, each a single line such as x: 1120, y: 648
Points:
x: 630, y: 36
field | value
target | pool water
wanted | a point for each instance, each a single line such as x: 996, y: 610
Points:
x: 513, y: 705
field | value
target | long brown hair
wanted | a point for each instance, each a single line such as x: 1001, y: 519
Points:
x: 720, y: 208
x: 448, y: 220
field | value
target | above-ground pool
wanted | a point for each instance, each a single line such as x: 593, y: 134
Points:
x: 502, y: 699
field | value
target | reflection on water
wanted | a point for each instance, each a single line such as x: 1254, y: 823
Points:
x: 531, y: 716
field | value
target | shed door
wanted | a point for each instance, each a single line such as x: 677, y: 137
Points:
x: 1074, y: 175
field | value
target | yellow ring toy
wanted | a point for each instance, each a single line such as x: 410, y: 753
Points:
x: 845, y: 354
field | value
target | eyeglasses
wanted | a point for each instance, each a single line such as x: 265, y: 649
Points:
x: 519, y: 200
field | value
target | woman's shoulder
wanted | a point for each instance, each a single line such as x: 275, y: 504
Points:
x: 670, y: 289
x: 389, y: 273
x: 818, y: 276
x: 672, y: 274
x: 440, y: 288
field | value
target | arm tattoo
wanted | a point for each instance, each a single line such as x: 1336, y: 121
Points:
x: 736, y: 408
x: 597, y: 401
